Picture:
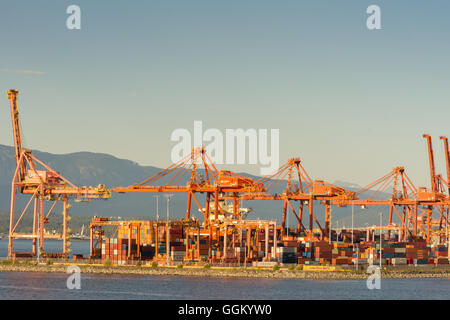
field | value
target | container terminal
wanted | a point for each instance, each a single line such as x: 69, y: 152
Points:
x: 224, y: 235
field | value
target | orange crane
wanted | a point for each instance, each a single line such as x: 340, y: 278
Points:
x: 300, y: 187
x: 434, y: 184
x: 447, y: 183
x: 203, y: 178
x: 410, y: 199
x: 447, y: 163
x: 403, y: 195
x: 303, y: 189
x: 33, y: 177
x: 437, y: 188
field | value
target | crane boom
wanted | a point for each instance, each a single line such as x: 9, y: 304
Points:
x: 12, y: 96
x: 447, y: 159
x: 34, y: 178
x: 431, y: 160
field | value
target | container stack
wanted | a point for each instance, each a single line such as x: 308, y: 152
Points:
x: 287, y: 255
x: 304, y: 253
x: 176, y: 235
x: 416, y: 254
x: 342, y: 253
x: 204, y: 250
x: 230, y: 258
x: 240, y: 253
x: 399, y: 253
x: 359, y: 256
x: 116, y: 250
x: 147, y: 251
x: 177, y: 251
x: 439, y: 255
x: 322, y: 252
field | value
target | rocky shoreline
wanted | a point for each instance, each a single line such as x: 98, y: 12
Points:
x: 229, y: 272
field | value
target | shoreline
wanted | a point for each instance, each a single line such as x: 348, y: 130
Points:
x: 215, y: 272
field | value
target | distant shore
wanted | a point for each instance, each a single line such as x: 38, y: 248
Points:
x: 230, y: 272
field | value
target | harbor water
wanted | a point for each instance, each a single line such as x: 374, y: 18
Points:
x: 35, y: 285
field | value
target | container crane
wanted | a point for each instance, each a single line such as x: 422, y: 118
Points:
x: 203, y: 178
x: 437, y: 188
x: 300, y: 187
x: 34, y: 178
x: 417, y: 204
x: 447, y: 162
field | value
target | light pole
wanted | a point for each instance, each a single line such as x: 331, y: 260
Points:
x: 39, y: 250
x: 168, y: 196
x: 157, y: 208
x: 353, y: 209
x: 337, y: 230
x: 287, y: 224
x: 446, y: 232
x: 381, y: 224
x: 329, y: 231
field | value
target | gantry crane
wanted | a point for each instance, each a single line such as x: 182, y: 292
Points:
x: 203, y: 177
x: 297, y: 185
x: 447, y: 163
x: 402, y: 195
x: 34, y: 178
x: 437, y: 187
x: 417, y: 204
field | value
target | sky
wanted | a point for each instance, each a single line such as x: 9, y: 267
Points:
x: 351, y: 102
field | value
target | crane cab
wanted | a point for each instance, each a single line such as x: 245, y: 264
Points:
x: 39, y: 176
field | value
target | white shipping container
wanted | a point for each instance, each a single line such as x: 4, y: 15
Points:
x: 177, y: 255
x: 398, y: 261
x: 264, y: 264
x: 359, y: 261
x: 286, y: 249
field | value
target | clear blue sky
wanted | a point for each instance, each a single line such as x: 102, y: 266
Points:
x: 352, y: 103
